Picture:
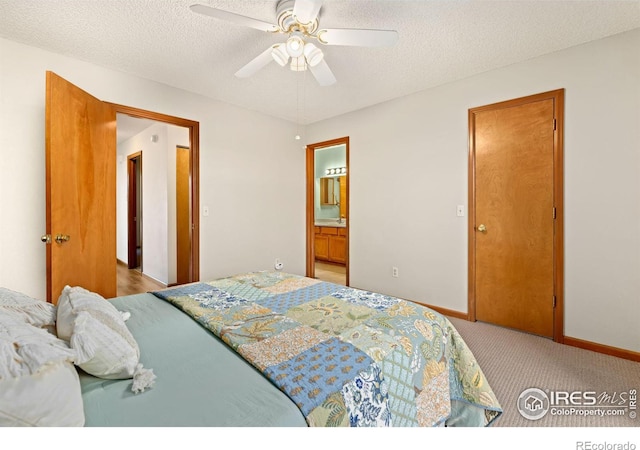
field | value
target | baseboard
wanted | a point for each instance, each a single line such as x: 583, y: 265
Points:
x: 153, y: 279
x: 573, y: 342
x: 448, y: 312
x: 142, y: 274
x: 601, y: 348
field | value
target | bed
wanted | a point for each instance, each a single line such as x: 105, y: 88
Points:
x: 272, y: 349
x: 199, y: 380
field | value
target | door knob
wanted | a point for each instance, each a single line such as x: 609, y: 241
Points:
x: 60, y: 238
x: 482, y: 228
x: 46, y: 238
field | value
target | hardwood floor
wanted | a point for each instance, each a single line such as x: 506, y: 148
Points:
x: 331, y: 273
x: 133, y: 282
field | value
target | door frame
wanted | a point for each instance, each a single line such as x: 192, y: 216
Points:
x: 133, y: 218
x: 194, y: 172
x: 311, y: 253
x: 558, y: 199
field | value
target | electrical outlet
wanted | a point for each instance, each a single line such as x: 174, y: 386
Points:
x: 394, y: 272
x: 278, y: 265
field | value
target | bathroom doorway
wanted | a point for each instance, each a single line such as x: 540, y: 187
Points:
x: 328, y: 211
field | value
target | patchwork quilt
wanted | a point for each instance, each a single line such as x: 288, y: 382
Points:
x: 345, y: 357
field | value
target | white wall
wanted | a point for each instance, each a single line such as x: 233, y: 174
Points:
x: 419, y: 143
x: 158, y: 198
x: 257, y: 215
x: 408, y: 222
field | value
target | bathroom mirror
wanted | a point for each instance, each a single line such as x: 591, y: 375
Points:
x: 329, y: 191
x: 333, y: 192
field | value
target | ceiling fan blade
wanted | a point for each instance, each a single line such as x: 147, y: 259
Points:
x: 358, y: 37
x: 323, y: 74
x: 306, y: 11
x: 255, y: 64
x: 235, y: 18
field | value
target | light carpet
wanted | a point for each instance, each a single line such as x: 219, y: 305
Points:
x: 513, y: 361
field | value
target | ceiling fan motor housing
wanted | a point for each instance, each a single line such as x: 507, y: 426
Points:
x: 288, y: 22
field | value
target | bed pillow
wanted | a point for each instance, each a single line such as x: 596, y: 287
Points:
x: 39, y: 385
x: 96, y: 330
x: 36, y: 312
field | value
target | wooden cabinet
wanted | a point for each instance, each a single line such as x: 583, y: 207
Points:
x: 331, y: 244
x: 322, y: 247
x: 338, y: 249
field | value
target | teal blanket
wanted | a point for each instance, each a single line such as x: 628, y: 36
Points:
x: 344, y: 356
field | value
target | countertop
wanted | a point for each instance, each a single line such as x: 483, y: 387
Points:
x: 330, y: 223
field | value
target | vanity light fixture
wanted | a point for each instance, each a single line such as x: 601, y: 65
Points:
x: 336, y: 171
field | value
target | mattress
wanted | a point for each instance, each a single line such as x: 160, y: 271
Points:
x: 200, y: 380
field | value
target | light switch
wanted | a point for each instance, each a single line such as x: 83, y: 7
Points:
x: 460, y: 211
x: 205, y: 211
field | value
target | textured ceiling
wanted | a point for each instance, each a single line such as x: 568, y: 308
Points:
x: 439, y: 41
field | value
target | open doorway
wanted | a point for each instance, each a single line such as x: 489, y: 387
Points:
x: 134, y: 211
x: 158, y: 238
x: 328, y: 211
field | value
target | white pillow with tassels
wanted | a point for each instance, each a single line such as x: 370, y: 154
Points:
x: 96, y: 330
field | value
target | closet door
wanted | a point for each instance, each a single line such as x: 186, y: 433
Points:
x: 514, y: 231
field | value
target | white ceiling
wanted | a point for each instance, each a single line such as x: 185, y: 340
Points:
x: 439, y: 41
x: 128, y: 126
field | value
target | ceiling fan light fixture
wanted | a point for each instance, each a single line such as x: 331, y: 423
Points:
x: 313, y: 54
x: 295, y: 45
x: 280, y: 55
x: 298, y: 64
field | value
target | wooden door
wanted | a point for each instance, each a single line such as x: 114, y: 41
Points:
x: 80, y: 135
x: 515, y: 197
x: 183, y: 216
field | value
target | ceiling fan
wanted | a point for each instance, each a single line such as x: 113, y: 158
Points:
x: 298, y: 19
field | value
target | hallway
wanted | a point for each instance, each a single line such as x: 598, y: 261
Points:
x: 131, y: 281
